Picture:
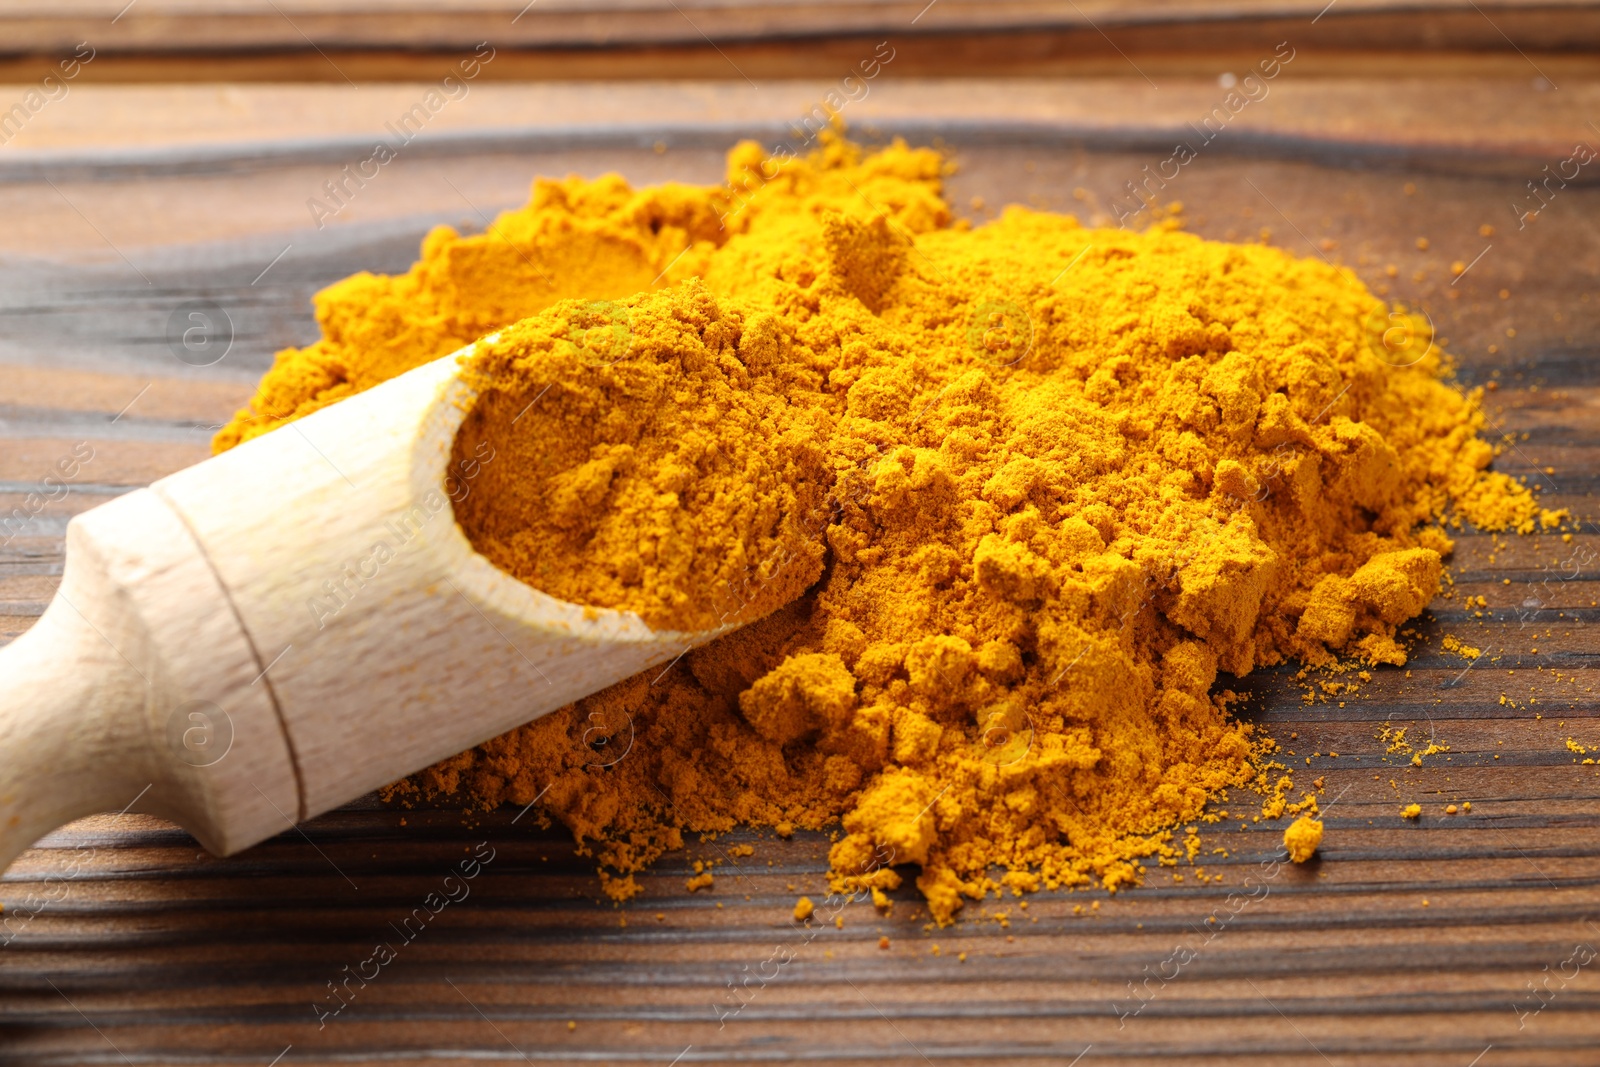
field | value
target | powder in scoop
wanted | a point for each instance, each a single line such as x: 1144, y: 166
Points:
x: 1002, y: 501
x: 667, y: 461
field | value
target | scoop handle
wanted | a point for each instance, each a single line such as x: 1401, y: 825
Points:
x: 69, y: 716
x: 137, y: 689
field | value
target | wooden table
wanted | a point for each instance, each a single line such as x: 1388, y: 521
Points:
x: 1466, y: 939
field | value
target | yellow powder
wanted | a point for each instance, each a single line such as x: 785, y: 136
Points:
x: 1302, y: 838
x: 1001, y: 502
x: 666, y: 470
x: 803, y: 909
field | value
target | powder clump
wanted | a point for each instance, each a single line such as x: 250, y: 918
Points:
x: 999, y: 524
x: 1302, y: 837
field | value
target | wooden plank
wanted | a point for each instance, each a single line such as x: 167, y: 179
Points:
x: 124, y: 395
x: 160, y: 954
x: 177, y: 26
x: 1493, y: 114
x: 1390, y: 44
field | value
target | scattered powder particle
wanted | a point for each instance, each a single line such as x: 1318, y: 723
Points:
x: 883, y: 942
x: 1411, y: 811
x: 704, y: 880
x: 1449, y: 809
x: 996, y: 527
x: 803, y: 909
x: 1302, y: 838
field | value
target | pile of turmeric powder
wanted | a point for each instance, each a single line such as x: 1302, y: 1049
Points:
x: 996, y: 503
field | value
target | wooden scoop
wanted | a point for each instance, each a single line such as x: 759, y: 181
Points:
x: 282, y: 628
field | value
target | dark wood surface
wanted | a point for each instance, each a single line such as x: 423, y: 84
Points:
x: 179, y: 26
x: 355, y: 43
x: 1420, y: 942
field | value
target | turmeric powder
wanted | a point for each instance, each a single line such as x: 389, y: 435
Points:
x: 663, y: 483
x: 1302, y: 838
x: 996, y: 505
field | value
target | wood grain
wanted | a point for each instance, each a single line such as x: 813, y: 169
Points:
x: 176, y: 25
x: 1417, y: 942
x: 1458, y: 41
x: 1493, y: 114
